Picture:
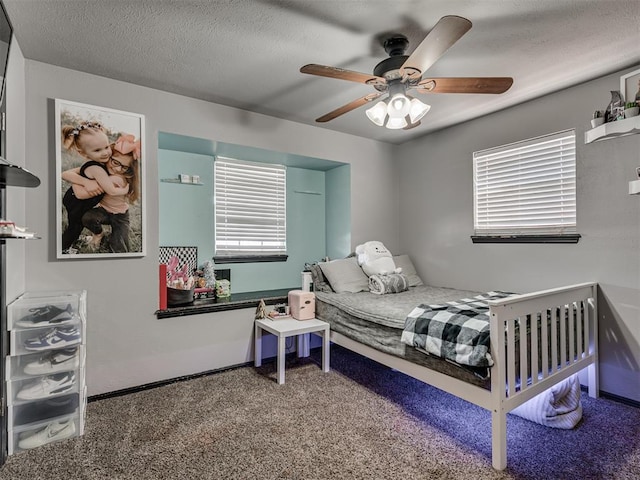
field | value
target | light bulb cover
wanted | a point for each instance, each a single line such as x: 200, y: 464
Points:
x: 417, y: 110
x: 395, y: 123
x: 377, y: 113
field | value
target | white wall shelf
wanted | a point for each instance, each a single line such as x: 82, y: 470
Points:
x: 619, y: 128
x: 634, y: 187
x: 175, y: 180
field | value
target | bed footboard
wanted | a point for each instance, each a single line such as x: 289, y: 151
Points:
x: 557, y: 334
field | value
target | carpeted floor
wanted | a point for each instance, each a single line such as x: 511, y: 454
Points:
x: 359, y: 421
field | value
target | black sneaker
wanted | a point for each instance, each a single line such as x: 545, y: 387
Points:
x: 47, y: 315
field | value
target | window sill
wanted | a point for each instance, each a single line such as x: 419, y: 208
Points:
x: 572, y: 238
x: 249, y: 258
x: 235, y: 302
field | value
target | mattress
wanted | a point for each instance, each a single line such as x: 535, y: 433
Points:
x: 377, y: 321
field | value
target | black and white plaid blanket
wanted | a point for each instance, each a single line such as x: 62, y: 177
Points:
x: 456, y: 331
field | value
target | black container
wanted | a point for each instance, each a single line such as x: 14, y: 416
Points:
x: 176, y: 296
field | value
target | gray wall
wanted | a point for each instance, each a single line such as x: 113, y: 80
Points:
x: 436, y: 205
x: 126, y: 344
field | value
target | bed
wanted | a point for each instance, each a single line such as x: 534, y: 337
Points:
x: 562, y: 322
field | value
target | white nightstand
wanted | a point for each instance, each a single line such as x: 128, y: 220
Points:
x: 287, y: 327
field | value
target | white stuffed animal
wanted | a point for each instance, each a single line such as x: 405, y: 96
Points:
x: 375, y: 259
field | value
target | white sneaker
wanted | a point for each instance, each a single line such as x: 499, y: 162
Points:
x: 53, y: 432
x: 59, y: 361
x: 48, y: 386
x: 55, y: 338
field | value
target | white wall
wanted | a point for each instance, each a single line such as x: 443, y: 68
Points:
x: 127, y: 345
x: 436, y: 205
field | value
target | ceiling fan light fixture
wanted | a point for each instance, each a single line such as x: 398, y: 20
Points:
x: 378, y: 113
x: 417, y: 110
x: 399, y: 73
x: 395, y: 123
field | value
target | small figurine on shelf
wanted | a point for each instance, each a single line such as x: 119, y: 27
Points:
x: 631, y: 109
x: 279, y: 311
x: 201, y: 290
x: 223, y: 288
x: 598, y: 119
x: 209, y: 274
x: 261, y: 311
x: 615, y: 109
x: 178, y: 276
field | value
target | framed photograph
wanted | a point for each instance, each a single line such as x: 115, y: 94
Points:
x: 100, y: 184
x: 630, y: 85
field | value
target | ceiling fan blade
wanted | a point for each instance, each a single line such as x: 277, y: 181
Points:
x: 464, y: 85
x: 348, y: 107
x: 442, y: 36
x: 342, y: 74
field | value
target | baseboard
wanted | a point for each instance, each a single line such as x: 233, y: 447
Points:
x: 619, y: 399
x: 169, y: 381
x: 162, y: 383
x: 615, y: 398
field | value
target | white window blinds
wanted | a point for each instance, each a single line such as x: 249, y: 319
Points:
x: 250, y: 208
x: 527, y: 188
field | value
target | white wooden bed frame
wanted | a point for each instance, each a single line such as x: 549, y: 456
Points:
x: 505, y: 395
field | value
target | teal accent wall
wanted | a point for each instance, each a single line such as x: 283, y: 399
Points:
x: 186, y: 211
x: 187, y: 218
x: 338, y: 208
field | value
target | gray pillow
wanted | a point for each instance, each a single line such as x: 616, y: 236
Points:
x: 320, y: 283
x: 345, y: 275
x: 404, y: 262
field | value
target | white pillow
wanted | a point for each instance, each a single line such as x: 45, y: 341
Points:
x: 345, y: 275
x: 404, y: 262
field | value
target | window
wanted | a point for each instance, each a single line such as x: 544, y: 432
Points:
x: 526, y: 191
x: 250, y: 211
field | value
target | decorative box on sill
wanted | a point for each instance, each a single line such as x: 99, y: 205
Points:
x: 204, y: 292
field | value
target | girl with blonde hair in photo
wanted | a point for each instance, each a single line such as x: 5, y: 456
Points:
x: 90, y: 141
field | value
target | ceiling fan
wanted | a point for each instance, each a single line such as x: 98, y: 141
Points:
x: 400, y: 73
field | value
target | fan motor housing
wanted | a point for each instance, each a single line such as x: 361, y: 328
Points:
x: 390, y: 68
x: 388, y: 65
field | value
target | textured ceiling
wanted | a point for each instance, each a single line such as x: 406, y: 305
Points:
x: 247, y: 53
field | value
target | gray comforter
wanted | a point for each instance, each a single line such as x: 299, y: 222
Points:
x: 391, y: 310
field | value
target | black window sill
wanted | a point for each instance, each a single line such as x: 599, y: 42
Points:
x: 572, y: 238
x: 249, y: 258
x: 235, y: 302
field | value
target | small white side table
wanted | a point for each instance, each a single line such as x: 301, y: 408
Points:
x: 287, y: 327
